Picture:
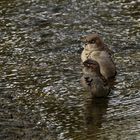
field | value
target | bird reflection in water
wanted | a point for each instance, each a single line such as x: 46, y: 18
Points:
x: 95, y: 110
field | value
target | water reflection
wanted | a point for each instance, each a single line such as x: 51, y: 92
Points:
x: 95, y: 109
x: 40, y: 93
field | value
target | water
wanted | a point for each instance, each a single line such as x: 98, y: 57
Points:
x: 40, y: 94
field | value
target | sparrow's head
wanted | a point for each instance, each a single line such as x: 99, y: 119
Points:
x: 92, y: 41
x: 92, y: 65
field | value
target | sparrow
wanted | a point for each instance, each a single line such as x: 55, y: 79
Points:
x: 93, y: 81
x: 95, y: 49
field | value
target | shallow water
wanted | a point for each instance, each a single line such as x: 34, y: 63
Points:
x: 40, y: 93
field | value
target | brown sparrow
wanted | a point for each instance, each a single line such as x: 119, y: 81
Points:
x: 93, y: 81
x: 95, y: 49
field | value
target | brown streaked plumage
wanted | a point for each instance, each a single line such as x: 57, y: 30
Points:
x: 93, y: 81
x: 95, y: 49
x: 93, y: 67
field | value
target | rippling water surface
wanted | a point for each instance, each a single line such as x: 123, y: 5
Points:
x: 40, y: 94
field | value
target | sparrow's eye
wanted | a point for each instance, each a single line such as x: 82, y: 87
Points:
x: 92, y: 41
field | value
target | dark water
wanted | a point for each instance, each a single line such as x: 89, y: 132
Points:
x: 40, y: 94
